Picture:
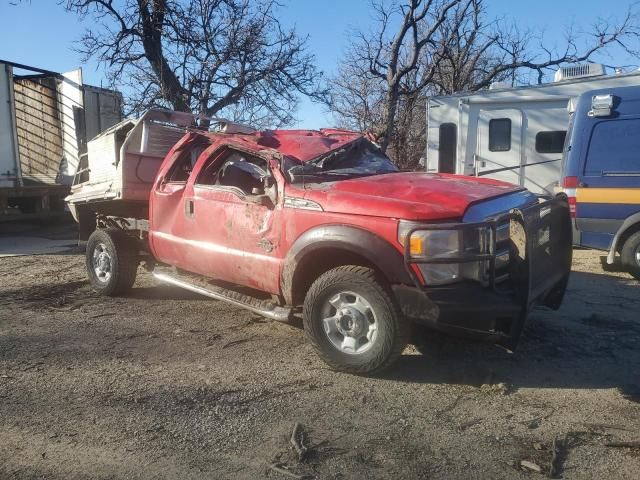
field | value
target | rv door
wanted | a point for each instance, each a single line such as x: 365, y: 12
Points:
x: 499, y: 145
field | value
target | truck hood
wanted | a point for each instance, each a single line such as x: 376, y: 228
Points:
x: 410, y: 195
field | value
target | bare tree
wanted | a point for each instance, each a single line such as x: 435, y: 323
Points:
x: 466, y: 57
x: 356, y: 97
x: 422, y: 47
x: 392, y: 57
x: 475, y: 52
x: 213, y: 57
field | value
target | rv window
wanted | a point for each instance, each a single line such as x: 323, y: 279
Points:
x: 550, y: 142
x: 613, y: 148
x: 500, y: 135
x: 447, y: 148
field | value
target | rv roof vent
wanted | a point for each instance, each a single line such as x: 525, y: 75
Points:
x: 579, y: 71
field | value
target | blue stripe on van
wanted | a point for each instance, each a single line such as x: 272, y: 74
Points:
x: 615, y: 211
x: 599, y: 241
x: 612, y: 181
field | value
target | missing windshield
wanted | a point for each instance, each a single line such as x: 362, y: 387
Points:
x: 358, y: 158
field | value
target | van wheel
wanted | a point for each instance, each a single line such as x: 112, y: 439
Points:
x: 630, y: 255
x: 111, y: 261
x: 352, y: 322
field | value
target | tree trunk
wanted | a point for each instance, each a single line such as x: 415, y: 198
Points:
x: 152, y: 24
x: 391, y: 107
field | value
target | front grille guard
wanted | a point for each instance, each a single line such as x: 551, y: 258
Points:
x: 489, y: 229
x: 550, y: 216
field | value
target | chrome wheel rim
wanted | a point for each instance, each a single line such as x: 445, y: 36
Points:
x: 350, y: 323
x: 638, y: 256
x: 101, y: 262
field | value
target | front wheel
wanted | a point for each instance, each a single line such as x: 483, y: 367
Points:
x: 112, y: 261
x: 630, y: 255
x: 352, y: 322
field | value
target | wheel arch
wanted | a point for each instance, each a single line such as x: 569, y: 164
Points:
x: 630, y: 226
x: 322, y: 248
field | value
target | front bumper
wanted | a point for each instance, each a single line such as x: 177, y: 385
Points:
x: 496, y: 307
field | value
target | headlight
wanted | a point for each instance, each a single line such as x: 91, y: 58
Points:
x: 444, y: 244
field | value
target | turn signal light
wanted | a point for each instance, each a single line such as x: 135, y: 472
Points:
x: 415, y: 245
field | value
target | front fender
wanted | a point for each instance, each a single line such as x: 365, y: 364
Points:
x: 379, y: 252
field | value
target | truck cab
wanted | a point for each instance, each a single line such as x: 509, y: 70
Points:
x: 601, y: 173
x: 323, y: 224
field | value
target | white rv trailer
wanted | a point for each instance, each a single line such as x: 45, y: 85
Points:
x: 511, y: 134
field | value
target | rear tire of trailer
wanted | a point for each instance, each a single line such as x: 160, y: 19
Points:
x: 630, y: 255
x: 352, y: 322
x: 111, y: 261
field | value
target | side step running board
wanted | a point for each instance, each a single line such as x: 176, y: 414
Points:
x: 261, y: 307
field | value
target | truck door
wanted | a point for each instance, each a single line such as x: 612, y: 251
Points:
x: 499, y: 145
x: 231, y: 228
x: 166, y: 211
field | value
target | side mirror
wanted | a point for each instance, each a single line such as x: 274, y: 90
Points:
x: 264, y: 196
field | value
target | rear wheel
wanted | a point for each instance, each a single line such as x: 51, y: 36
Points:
x: 352, y: 321
x: 630, y: 255
x: 111, y: 261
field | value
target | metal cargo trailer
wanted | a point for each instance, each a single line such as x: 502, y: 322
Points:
x: 46, y: 120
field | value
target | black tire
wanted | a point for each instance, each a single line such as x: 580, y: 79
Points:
x: 630, y: 255
x: 122, y: 261
x: 392, y: 330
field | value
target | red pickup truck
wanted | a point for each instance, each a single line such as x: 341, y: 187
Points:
x: 276, y: 220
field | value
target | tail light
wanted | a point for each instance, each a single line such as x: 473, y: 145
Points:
x: 572, y: 207
x: 569, y: 185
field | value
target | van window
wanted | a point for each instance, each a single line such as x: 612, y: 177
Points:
x: 448, y: 138
x: 500, y: 135
x: 550, y: 142
x: 614, y: 147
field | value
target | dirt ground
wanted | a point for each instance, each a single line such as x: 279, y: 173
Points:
x: 165, y: 384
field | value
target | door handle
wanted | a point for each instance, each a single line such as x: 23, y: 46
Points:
x: 478, y: 161
x: 189, y: 208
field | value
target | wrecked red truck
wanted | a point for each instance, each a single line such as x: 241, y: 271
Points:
x: 319, y: 222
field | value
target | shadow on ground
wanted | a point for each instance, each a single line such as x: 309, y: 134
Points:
x: 592, y: 342
x: 589, y: 343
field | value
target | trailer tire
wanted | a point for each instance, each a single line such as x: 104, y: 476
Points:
x: 111, y: 261
x: 630, y: 255
x: 352, y: 322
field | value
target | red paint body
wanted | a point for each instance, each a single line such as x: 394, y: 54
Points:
x: 225, y: 236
